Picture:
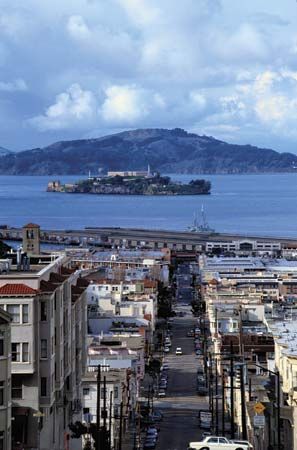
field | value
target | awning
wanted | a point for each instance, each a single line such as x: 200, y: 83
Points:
x: 20, y: 411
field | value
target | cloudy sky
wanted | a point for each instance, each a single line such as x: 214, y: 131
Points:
x: 85, y: 68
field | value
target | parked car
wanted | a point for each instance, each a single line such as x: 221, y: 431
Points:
x: 165, y: 367
x: 149, y: 444
x: 178, y: 351
x: 216, y: 443
x: 202, y: 390
x: 166, y: 349
x: 236, y: 441
x: 200, y: 379
x: 198, y: 352
x: 206, y: 434
x: 162, y: 393
x: 151, y: 433
x: 157, y: 416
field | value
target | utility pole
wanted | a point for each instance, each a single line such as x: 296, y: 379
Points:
x: 121, y: 426
x: 211, y: 390
x: 217, y: 397
x: 110, y: 417
x: 232, y: 390
x: 243, y: 412
x: 278, y: 410
x: 223, y: 402
x: 104, y: 413
x: 98, y: 408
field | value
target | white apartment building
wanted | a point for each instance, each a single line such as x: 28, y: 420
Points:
x: 5, y: 381
x: 47, y: 304
x: 123, y: 299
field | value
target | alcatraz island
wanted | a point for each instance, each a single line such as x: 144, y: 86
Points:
x: 131, y: 183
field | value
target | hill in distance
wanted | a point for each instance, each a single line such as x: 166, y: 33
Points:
x: 168, y: 151
x: 4, y: 151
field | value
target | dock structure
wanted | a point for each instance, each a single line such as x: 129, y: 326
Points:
x: 157, y: 239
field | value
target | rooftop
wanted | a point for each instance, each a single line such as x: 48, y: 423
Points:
x: 285, y: 334
x: 31, y: 225
x: 17, y: 290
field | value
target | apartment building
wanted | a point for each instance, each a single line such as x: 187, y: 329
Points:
x: 134, y: 298
x: 47, y: 303
x: 251, y: 305
x: 5, y: 380
x: 122, y: 263
x: 122, y: 363
x: 245, y: 247
x: 114, y: 400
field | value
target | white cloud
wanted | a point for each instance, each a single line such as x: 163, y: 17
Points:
x: 77, y: 28
x: 129, y: 104
x: 13, y: 86
x: 137, y: 63
x: 272, y: 108
x: 198, y: 100
x: 73, y: 108
x: 141, y: 12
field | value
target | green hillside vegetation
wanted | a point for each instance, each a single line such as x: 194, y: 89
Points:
x: 156, y: 185
x: 168, y: 151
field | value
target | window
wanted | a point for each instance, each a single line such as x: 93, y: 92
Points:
x: 16, y: 387
x: 43, y: 311
x: 2, y: 385
x: 116, y: 392
x: 86, y: 410
x: 14, y: 311
x: 43, y: 387
x: 86, y: 391
x: 25, y: 355
x: 1, y: 440
x: 43, y: 348
x: 20, y: 352
x: 15, y: 352
x: 25, y: 318
x: 103, y: 392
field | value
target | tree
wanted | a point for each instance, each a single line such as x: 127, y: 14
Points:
x: 78, y: 429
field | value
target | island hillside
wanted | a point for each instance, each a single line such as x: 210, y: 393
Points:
x: 168, y: 151
x: 132, y: 185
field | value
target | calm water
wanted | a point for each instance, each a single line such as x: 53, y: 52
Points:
x: 262, y: 204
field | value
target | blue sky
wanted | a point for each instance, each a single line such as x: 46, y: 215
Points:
x: 86, y: 68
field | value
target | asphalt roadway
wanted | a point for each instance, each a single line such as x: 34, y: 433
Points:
x: 181, y: 404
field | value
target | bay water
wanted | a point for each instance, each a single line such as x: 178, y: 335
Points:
x: 247, y: 204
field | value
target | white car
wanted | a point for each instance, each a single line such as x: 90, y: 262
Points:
x: 218, y: 443
x: 237, y: 441
x: 162, y: 393
x: 178, y: 351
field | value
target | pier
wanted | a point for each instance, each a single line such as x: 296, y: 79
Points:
x: 156, y: 239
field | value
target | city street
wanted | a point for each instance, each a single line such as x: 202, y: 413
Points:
x: 181, y: 404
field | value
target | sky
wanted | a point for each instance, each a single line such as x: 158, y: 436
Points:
x: 76, y: 69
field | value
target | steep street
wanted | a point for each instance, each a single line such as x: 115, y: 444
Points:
x: 181, y: 404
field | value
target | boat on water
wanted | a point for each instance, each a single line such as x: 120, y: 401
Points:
x: 201, y: 226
